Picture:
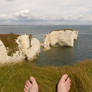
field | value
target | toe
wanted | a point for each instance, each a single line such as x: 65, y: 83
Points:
x: 25, y: 90
x: 68, y: 81
x: 32, y: 79
x: 28, y: 83
x: 64, y: 77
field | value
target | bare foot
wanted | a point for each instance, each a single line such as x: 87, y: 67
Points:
x: 64, y: 84
x: 31, y: 85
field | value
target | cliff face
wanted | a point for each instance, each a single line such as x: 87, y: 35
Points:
x: 3, y: 53
x: 61, y: 37
x: 28, y: 47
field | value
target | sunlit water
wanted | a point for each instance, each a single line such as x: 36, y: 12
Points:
x: 61, y: 55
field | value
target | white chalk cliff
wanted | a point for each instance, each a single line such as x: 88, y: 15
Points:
x: 3, y: 53
x: 60, y: 37
x: 28, y: 47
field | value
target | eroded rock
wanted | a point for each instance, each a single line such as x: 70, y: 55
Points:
x: 3, y: 53
x: 28, y: 47
x: 60, y: 37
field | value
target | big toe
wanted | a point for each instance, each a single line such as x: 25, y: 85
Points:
x: 32, y: 79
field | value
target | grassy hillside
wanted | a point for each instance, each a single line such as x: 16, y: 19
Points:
x: 14, y: 76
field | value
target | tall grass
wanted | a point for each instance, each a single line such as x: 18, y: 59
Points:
x: 14, y: 76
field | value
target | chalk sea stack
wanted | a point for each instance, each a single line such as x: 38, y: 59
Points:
x: 65, y: 37
x: 28, y: 48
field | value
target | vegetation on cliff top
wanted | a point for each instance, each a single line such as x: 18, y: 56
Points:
x: 9, y: 41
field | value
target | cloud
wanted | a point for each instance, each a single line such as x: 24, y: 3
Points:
x: 9, y: 0
x: 44, y: 10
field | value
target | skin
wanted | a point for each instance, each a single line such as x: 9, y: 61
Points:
x: 31, y: 85
x: 63, y: 85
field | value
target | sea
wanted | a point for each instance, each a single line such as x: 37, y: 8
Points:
x: 59, y: 56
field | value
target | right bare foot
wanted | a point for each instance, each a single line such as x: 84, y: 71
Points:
x: 64, y: 84
x: 31, y: 85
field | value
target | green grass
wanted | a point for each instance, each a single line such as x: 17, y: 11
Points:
x: 14, y: 76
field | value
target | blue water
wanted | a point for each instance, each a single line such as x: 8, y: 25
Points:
x: 61, y: 55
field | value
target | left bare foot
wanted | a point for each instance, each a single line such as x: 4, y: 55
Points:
x: 31, y: 85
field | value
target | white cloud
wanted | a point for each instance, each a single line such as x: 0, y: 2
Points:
x: 70, y: 10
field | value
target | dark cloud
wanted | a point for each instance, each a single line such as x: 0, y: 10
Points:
x: 26, y: 20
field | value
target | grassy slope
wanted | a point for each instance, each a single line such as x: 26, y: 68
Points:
x: 13, y: 76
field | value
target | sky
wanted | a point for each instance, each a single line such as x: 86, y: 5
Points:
x: 46, y: 11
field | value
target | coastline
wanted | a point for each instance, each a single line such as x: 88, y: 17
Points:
x: 80, y: 73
